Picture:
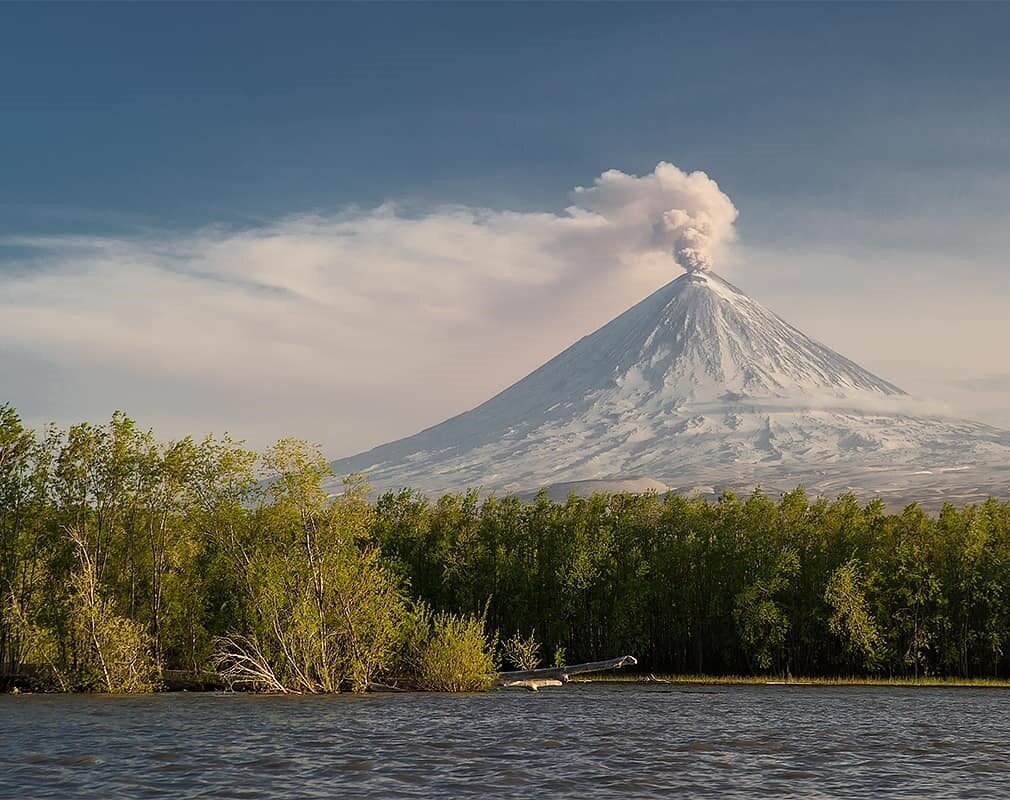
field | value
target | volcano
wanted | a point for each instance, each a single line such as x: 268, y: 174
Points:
x: 699, y: 388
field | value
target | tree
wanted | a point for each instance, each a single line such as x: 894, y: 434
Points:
x: 851, y: 619
x: 325, y: 612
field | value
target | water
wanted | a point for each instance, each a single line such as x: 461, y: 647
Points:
x: 579, y: 741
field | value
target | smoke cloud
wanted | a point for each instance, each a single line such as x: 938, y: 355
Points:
x: 350, y: 328
x: 686, y: 214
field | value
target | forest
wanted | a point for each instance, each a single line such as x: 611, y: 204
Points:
x: 124, y: 558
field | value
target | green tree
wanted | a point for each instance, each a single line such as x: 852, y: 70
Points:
x: 325, y: 611
x: 851, y: 619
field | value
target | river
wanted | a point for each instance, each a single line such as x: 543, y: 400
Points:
x: 582, y: 741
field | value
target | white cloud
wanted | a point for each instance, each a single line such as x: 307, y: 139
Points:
x: 358, y: 327
x: 349, y: 328
x: 932, y: 322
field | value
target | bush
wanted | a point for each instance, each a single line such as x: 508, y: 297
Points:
x: 522, y: 653
x: 450, y: 653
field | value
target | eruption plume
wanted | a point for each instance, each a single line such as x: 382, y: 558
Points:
x: 686, y: 214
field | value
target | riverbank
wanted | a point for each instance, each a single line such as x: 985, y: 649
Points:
x: 772, y: 680
x: 22, y: 685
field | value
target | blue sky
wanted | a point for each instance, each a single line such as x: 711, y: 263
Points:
x: 866, y: 146
x: 169, y: 114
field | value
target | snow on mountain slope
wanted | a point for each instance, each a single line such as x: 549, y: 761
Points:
x: 699, y: 387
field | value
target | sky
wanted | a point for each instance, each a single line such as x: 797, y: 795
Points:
x: 346, y: 222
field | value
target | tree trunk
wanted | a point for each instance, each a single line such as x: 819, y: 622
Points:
x: 560, y: 674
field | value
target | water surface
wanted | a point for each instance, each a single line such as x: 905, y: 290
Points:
x: 579, y: 741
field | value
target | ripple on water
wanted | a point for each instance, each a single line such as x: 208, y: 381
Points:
x: 61, y: 761
x: 583, y: 741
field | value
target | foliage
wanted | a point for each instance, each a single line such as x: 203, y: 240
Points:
x: 523, y: 653
x: 851, y: 620
x: 740, y: 585
x: 324, y: 611
x: 450, y: 653
x: 559, y: 657
x: 116, y: 654
x: 122, y: 556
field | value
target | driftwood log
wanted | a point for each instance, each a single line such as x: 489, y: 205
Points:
x: 535, y: 679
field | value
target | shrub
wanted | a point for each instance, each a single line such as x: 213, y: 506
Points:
x: 522, y: 652
x: 450, y: 653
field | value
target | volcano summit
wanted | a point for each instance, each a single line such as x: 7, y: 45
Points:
x: 700, y: 388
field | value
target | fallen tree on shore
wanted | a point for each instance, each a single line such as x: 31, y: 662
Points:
x: 535, y: 679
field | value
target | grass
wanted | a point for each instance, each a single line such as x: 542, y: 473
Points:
x: 778, y: 680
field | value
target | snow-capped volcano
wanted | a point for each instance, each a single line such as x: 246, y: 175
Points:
x: 699, y: 387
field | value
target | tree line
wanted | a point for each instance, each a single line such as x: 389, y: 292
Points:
x: 123, y: 557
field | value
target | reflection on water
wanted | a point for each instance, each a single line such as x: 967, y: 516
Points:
x: 579, y: 741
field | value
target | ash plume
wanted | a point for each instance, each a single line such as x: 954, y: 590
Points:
x: 683, y: 213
